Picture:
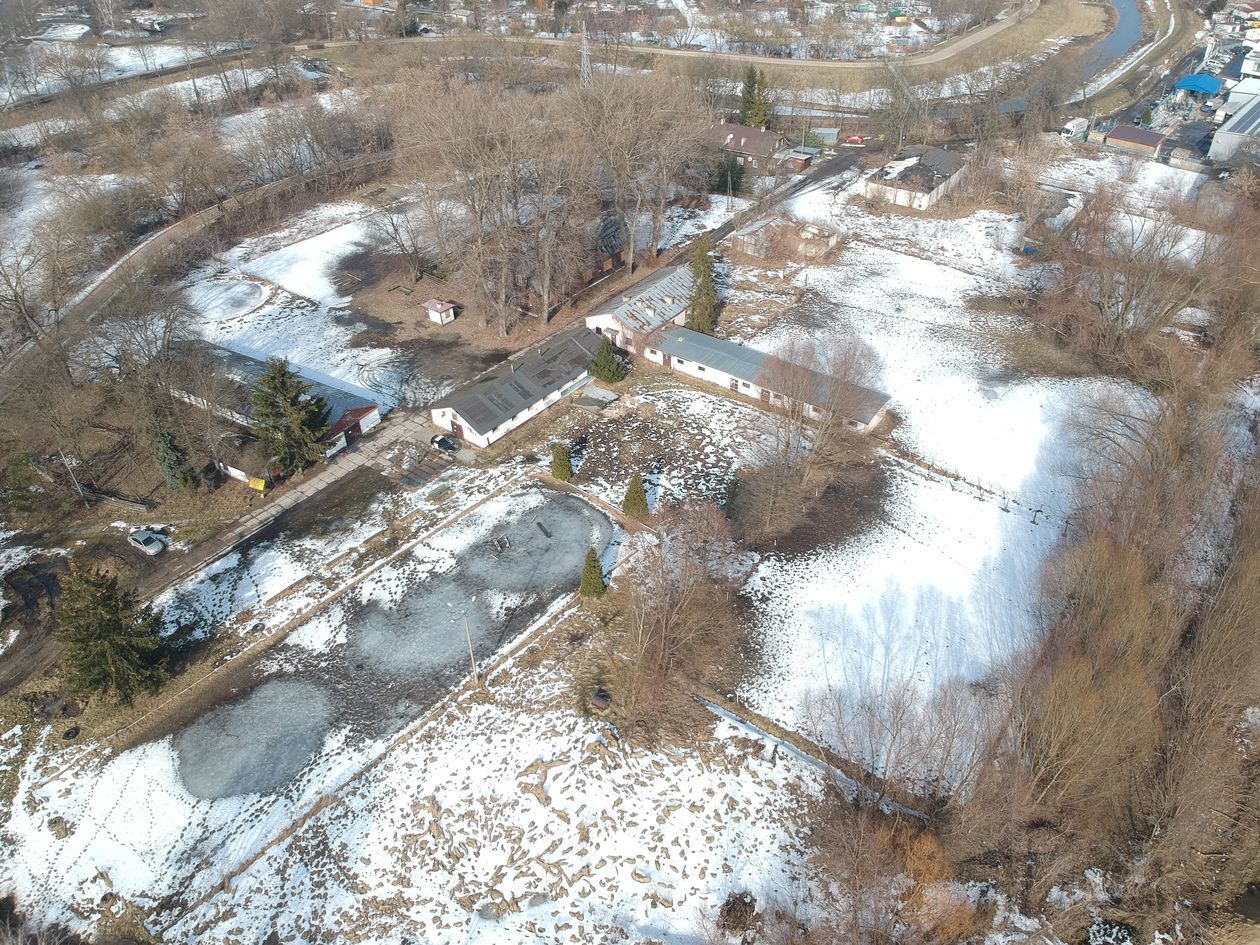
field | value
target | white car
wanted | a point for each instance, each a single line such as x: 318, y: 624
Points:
x: 149, y: 542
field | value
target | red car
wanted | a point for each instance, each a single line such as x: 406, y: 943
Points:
x: 855, y: 139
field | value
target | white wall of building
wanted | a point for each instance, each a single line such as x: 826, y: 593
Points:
x: 916, y: 200
x: 446, y: 417
x: 710, y: 375
x: 608, y: 324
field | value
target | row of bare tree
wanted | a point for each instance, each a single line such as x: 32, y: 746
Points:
x: 528, y: 189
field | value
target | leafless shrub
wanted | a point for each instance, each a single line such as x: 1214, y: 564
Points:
x: 675, y: 599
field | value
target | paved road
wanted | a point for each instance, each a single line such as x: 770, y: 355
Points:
x: 941, y: 53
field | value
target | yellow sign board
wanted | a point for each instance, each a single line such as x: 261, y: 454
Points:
x: 259, y: 484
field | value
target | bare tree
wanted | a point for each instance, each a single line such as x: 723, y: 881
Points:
x: 677, y: 599
x: 401, y: 230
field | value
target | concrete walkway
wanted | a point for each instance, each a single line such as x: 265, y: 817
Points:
x: 400, y: 431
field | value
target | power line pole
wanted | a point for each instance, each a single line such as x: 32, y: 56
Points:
x: 472, y: 660
x: 586, y: 77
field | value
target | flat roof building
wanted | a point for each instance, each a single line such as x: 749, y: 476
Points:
x: 1240, y: 133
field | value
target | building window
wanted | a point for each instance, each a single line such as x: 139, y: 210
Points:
x: 700, y: 368
x: 745, y: 383
x: 679, y: 361
x: 652, y: 351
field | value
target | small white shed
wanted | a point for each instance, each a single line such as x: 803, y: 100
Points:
x: 443, y: 313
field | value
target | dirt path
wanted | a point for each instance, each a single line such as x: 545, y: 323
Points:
x: 942, y: 53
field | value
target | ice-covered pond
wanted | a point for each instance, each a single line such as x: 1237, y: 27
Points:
x: 391, y: 647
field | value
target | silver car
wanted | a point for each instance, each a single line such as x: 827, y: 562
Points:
x: 149, y: 542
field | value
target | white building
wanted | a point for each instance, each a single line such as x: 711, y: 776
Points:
x: 917, y: 178
x: 1243, y: 93
x: 1240, y: 133
x: 442, y: 313
x: 500, y: 400
x: 753, y: 373
x: 660, y: 300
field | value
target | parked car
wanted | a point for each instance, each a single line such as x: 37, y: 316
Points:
x: 148, y: 541
x: 855, y: 139
x: 444, y: 444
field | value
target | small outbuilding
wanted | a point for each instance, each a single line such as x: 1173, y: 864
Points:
x: 439, y: 312
x: 1135, y: 140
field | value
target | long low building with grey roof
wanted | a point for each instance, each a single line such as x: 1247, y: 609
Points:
x: 764, y: 377
x: 500, y: 400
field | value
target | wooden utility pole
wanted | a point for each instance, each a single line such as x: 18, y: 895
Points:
x: 472, y: 660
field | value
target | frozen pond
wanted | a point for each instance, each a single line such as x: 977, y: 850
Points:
x: 381, y: 656
x: 256, y: 744
x: 539, y: 550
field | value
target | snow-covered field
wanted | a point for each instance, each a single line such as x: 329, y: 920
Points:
x: 115, y: 62
x: 943, y: 585
x: 276, y: 296
x: 500, y: 824
x: 504, y: 817
x: 138, y: 828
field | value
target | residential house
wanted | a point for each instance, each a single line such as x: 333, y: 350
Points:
x: 506, y: 396
x: 1149, y: 144
x: 917, y: 177
x: 352, y: 410
x: 752, y: 373
x: 1240, y: 134
x: 753, y: 149
x: 440, y: 312
x: 658, y: 301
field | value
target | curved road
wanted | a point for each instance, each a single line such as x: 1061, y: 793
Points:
x: 941, y: 53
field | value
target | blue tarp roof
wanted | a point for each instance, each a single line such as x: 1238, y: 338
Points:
x: 1201, y: 83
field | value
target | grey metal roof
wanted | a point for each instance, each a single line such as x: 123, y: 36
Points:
x: 505, y: 390
x: 656, y: 302
x: 1246, y: 121
x: 747, y: 364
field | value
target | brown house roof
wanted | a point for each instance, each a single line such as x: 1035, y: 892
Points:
x: 754, y: 142
x: 1131, y: 134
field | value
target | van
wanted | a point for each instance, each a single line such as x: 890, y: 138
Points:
x: 1075, y: 128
